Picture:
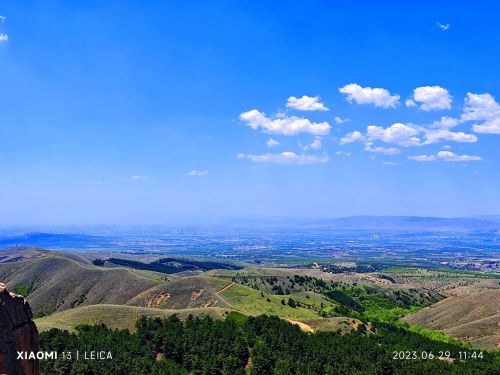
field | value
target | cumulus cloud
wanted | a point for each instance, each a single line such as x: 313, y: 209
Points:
x: 443, y: 26
x: 431, y: 98
x: 339, y: 120
x: 4, y: 37
x: 380, y: 150
x: 272, y: 143
x: 484, y: 109
x: 480, y: 107
x: 343, y: 153
x: 410, y: 103
x: 408, y: 135
x: 286, y: 157
x: 352, y: 137
x: 284, y: 125
x: 2, y: 19
x: 306, y: 103
x: 488, y: 127
x: 197, y: 173
x: 379, y: 97
x: 445, y: 156
x: 445, y: 123
x: 422, y: 157
x: 314, y: 145
x: 437, y: 135
x: 400, y: 134
x: 391, y: 163
x: 450, y: 156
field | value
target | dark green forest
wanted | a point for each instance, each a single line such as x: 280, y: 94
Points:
x: 253, y: 345
x: 167, y: 265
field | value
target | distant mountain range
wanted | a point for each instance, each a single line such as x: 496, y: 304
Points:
x: 395, y: 224
x: 51, y: 240
x: 409, y: 223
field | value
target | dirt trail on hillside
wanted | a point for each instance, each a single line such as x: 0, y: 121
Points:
x: 224, y: 289
x: 303, y: 326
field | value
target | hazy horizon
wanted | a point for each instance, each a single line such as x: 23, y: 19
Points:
x: 235, y: 221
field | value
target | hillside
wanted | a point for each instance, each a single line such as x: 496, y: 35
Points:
x: 263, y: 345
x: 54, y: 281
x: 66, y: 289
x: 187, y: 292
x: 107, y: 314
x: 471, y: 317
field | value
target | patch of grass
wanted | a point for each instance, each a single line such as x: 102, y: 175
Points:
x: 459, y: 273
x: 431, y: 334
x: 251, y: 302
x: 451, y: 272
x: 43, y: 313
x: 23, y: 289
x: 237, y: 317
x: 400, y: 270
x: 115, y: 316
x: 388, y: 315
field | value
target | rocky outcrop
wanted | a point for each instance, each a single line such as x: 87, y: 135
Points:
x: 17, y: 333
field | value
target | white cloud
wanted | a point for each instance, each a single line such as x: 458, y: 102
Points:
x: 410, y: 103
x: 391, y: 163
x: 480, y: 107
x: 445, y: 156
x: 306, y: 103
x: 488, y: 127
x: 4, y: 37
x: 352, y: 137
x: 314, y: 145
x: 284, y: 125
x: 434, y: 136
x: 484, y: 109
x: 381, y: 150
x: 444, y: 26
x: 408, y: 135
x: 138, y: 178
x: 379, y: 97
x: 197, y: 173
x: 339, y: 120
x: 2, y: 19
x: 431, y: 97
x: 450, y: 156
x: 422, y: 157
x: 343, y: 153
x: 401, y: 134
x: 445, y: 123
x: 272, y: 143
x: 286, y: 157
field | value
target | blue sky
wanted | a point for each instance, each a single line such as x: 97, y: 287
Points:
x: 142, y: 112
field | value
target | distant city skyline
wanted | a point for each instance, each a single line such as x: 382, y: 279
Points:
x: 144, y: 112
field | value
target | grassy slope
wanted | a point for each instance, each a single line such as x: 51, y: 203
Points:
x: 187, y: 292
x: 441, y: 272
x: 107, y: 314
x: 58, y: 282
x: 250, y: 301
x: 341, y: 323
x: 255, y: 271
x: 473, y: 317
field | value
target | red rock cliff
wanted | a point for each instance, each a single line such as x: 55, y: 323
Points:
x: 17, y: 333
